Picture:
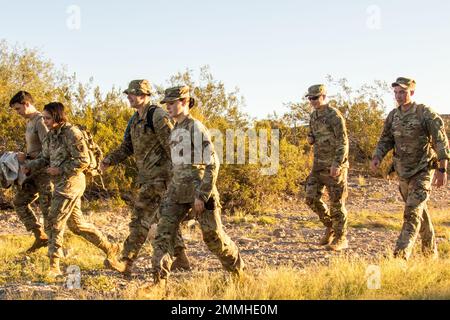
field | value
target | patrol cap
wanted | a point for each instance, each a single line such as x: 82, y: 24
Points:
x: 178, y: 93
x: 405, y: 83
x: 139, y: 88
x: 317, y: 90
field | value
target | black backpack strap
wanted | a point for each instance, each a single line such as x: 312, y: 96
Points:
x: 128, y: 129
x: 149, y: 122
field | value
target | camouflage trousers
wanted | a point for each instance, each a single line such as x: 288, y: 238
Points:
x: 217, y: 241
x: 415, y: 192
x: 145, y: 214
x: 38, y: 187
x: 336, y: 216
x: 67, y: 211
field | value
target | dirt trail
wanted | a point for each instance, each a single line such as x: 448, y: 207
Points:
x: 291, y: 239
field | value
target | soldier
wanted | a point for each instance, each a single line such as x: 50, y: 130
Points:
x: 147, y: 137
x: 38, y: 185
x: 66, y: 156
x: 193, y: 186
x: 328, y: 135
x: 417, y: 135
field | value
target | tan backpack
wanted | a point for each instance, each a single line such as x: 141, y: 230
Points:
x: 95, y: 153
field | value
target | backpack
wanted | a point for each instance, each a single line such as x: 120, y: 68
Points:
x: 95, y: 153
x: 148, y: 121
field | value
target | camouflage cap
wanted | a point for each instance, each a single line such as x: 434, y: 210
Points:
x: 317, y: 90
x: 176, y: 93
x: 139, y: 88
x: 405, y: 83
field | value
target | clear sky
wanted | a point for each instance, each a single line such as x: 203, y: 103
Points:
x: 271, y: 50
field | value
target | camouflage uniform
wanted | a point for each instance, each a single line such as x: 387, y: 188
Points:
x: 329, y: 135
x: 38, y: 185
x: 151, y: 150
x: 417, y: 141
x: 65, y: 148
x: 194, y: 176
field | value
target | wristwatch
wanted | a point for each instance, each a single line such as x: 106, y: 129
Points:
x: 442, y: 170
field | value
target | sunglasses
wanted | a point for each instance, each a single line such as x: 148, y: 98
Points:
x: 314, y: 98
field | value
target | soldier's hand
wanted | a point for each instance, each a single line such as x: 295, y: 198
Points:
x: 21, y: 157
x: 199, y: 206
x: 25, y: 170
x: 375, y: 164
x: 335, y: 172
x: 440, y: 179
x: 54, y: 171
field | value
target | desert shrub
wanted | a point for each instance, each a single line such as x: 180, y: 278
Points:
x: 242, y: 187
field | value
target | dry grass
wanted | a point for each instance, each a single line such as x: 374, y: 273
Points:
x: 16, y: 266
x: 343, y: 278
x: 394, y: 220
x: 242, y: 217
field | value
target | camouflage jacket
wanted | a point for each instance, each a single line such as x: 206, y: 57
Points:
x: 195, y: 165
x: 64, y: 148
x: 415, y: 144
x: 331, y: 147
x: 150, y: 149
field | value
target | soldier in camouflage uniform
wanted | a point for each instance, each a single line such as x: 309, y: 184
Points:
x: 328, y: 135
x: 195, y: 167
x: 147, y: 137
x: 417, y: 135
x: 38, y: 185
x: 65, y: 155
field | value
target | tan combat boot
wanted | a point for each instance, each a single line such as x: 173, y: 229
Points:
x: 112, y: 261
x: 40, y: 241
x: 338, y: 244
x: 159, y: 282
x: 327, y: 237
x: 115, y: 264
x: 238, y: 271
x: 181, y: 262
x: 430, y: 253
x: 128, y: 267
x: 123, y: 265
x: 54, y: 271
x: 237, y: 275
x: 113, y: 251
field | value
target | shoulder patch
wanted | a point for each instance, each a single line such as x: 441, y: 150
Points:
x: 73, y: 134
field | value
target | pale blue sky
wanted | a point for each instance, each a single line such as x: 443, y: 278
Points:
x: 271, y: 50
